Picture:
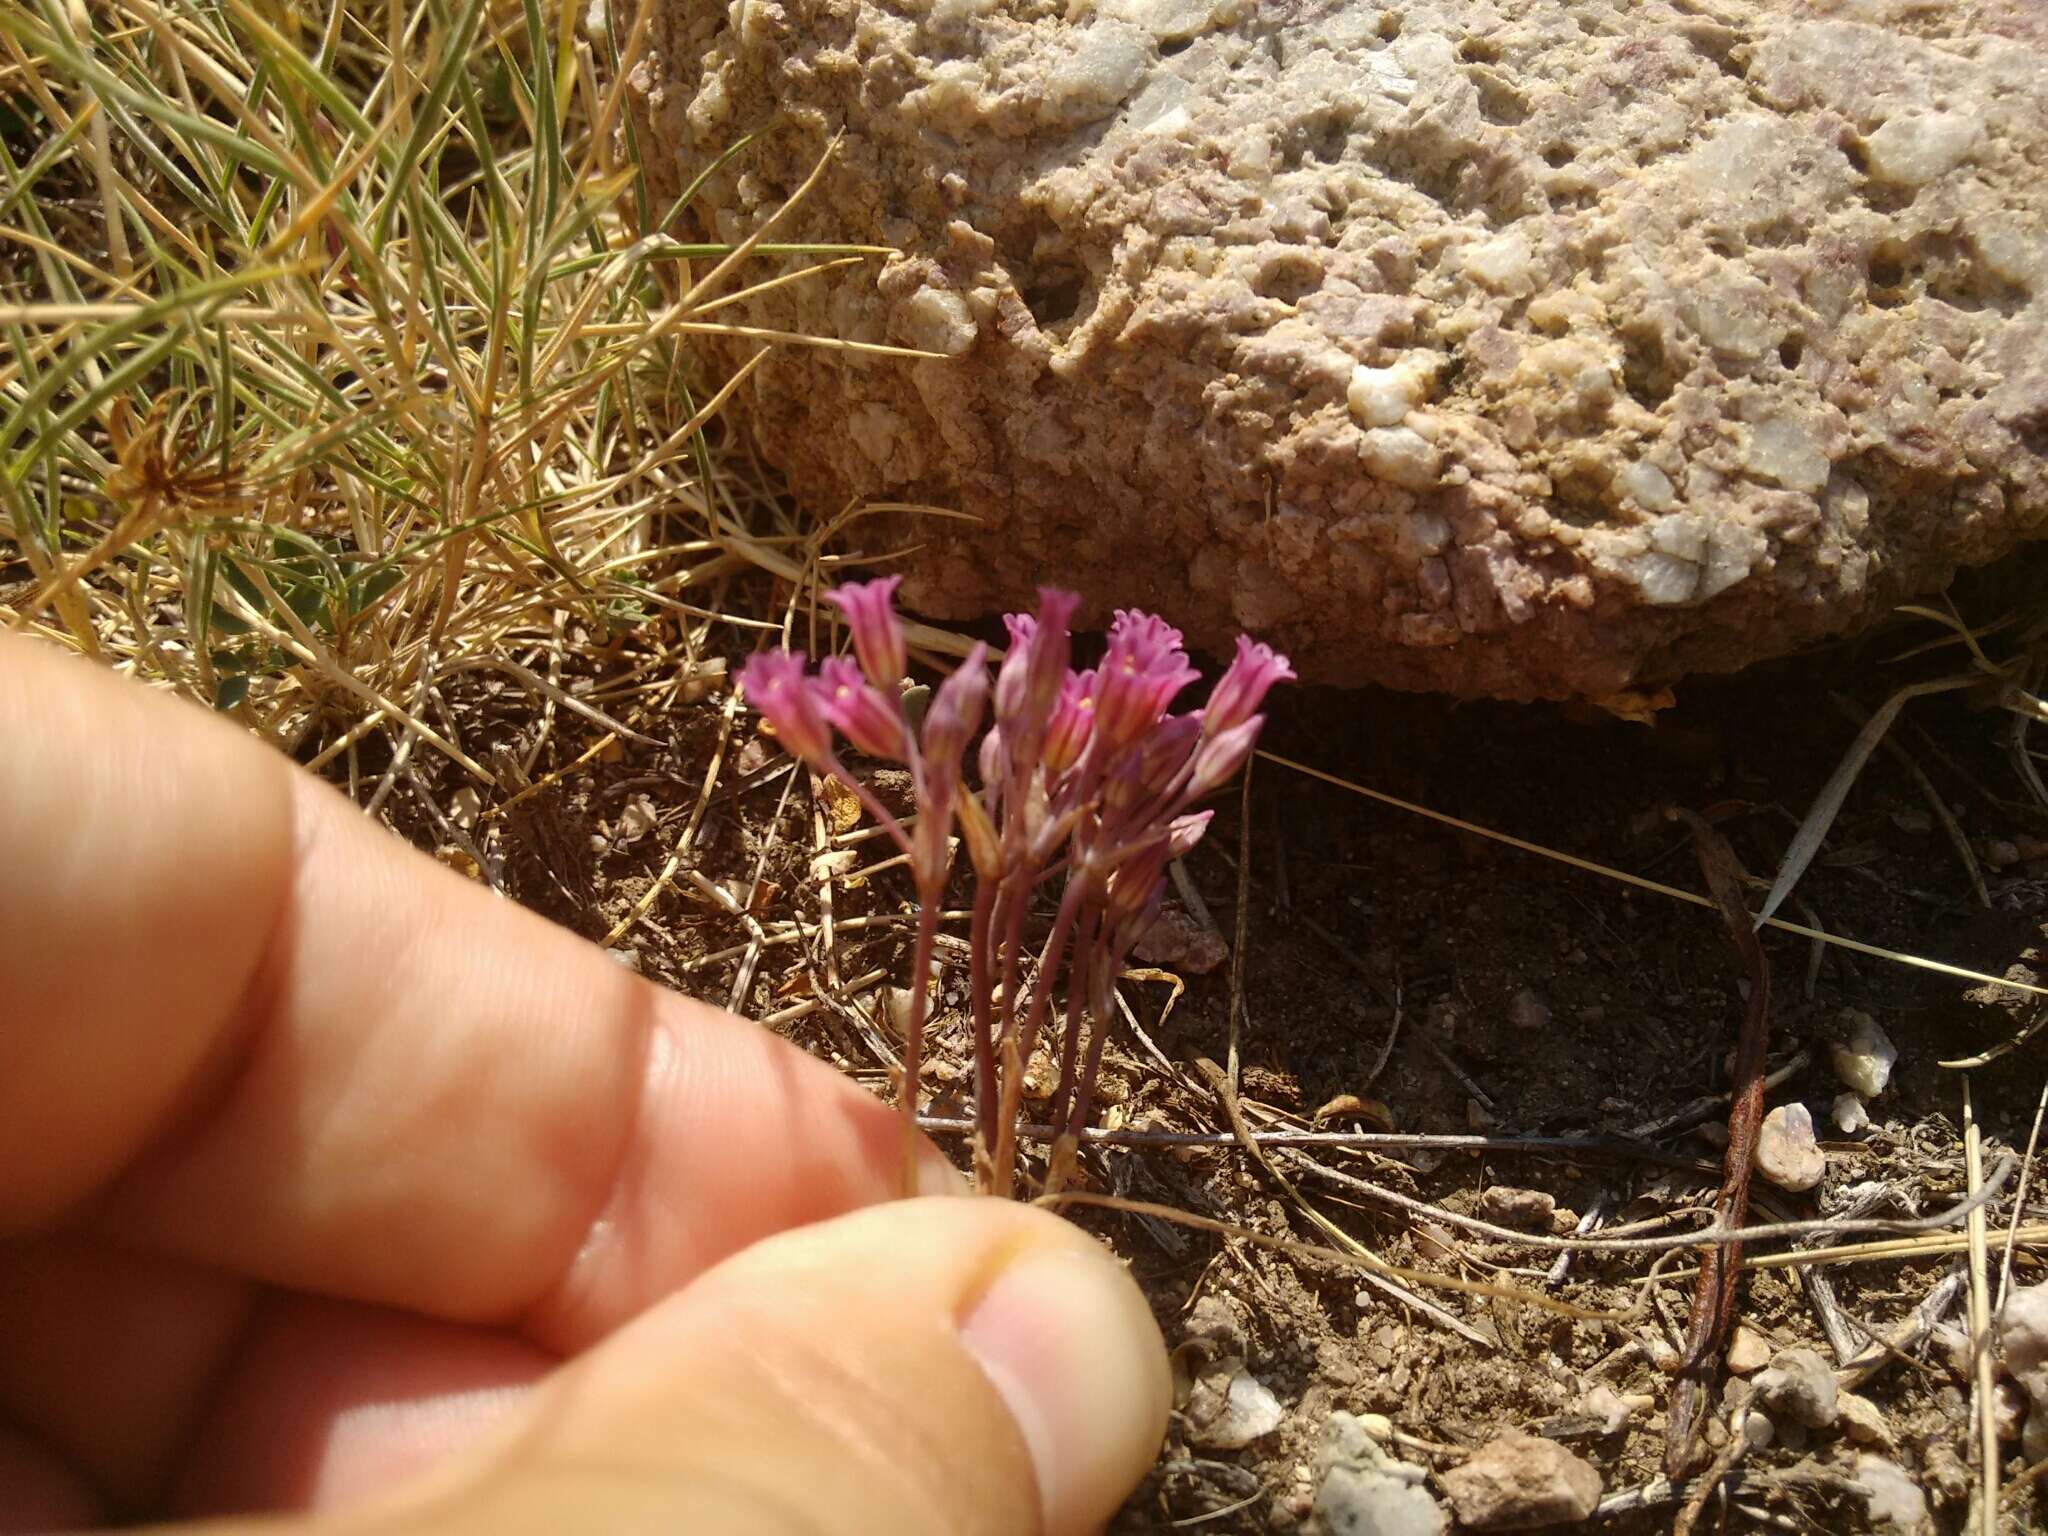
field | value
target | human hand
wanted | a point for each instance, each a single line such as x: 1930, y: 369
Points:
x: 331, y: 1184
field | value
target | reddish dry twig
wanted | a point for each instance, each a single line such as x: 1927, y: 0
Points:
x: 1713, y: 1303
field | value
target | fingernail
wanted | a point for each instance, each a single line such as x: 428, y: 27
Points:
x: 1072, y: 1348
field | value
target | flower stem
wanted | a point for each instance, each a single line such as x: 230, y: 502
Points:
x: 929, y: 897
x: 979, y: 971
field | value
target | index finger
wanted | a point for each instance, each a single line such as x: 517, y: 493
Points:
x: 248, y: 1028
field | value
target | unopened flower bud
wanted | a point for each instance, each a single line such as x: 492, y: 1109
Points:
x: 1222, y: 755
x: 774, y: 683
x: 1183, y: 832
x: 860, y: 712
x: 869, y: 608
x: 1073, y: 721
x: 954, y: 714
x: 1242, y: 688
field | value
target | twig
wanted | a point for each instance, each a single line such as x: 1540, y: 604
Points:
x: 1713, y: 1309
x: 1984, y: 1375
x: 1909, y: 1335
x: 1706, y: 1105
x: 2019, y: 1201
x: 1238, y: 958
x: 1376, y: 1273
x: 1376, y: 1141
x: 689, y: 836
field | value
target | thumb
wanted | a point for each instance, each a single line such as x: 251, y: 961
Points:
x: 926, y: 1366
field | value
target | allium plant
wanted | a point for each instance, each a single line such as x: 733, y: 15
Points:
x: 1085, y: 777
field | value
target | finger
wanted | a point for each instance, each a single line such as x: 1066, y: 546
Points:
x: 973, y: 1368
x: 303, y: 1052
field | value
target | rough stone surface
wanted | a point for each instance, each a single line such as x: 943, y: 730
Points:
x: 1517, y: 1481
x: 1786, y: 1152
x: 1362, y: 1491
x: 1550, y: 349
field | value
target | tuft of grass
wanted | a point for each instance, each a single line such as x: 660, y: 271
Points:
x: 342, y: 351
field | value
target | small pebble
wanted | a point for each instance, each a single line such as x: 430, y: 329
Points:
x: 1864, y: 1055
x: 1529, y: 1209
x: 1758, y: 1429
x: 1850, y: 1113
x: 2000, y: 853
x: 1893, y: 1497
x: 1363, y: 1491
x: 1609, y: 1407
x: 1800, y: 1385
x: 1517, y: 1481
x: 1229, y: 1413
x: 1786, y: 1152
x: 1862, y: 1419
x: 1527, y: 1011
x: 2008, y: 1410
x: 1748, y: 1350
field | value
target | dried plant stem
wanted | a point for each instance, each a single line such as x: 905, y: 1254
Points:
x: 1984, y: 1371
x: 1713, y: 1310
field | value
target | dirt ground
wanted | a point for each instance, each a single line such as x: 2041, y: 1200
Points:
x: 1450, y: 985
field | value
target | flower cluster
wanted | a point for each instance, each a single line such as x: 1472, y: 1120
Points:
x: 1083, y: 775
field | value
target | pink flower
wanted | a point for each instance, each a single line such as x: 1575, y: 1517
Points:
x: 774, y: 683
x: 952, y: 717
x: 1222, y: 755
x: 860, y: 712
x: 1183, y: 832
x: 1141, y: 672
x: 1028, y: 684
x: 1241, y: 689
x: 869, y: 608
x: 1073, y: 721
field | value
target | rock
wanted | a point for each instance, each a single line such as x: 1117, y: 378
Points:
x: 1786, y: 1152
x: 1553, y: 350
x: 1850, y: 1113
x: 1216, y: 1325
x: 2023, y: 1344
x: 1363, y: 1491
x: 1862, y: 1419
x: 1528, y: 1011
x: 2008, y: 1410
x: 1608, y: 1408
x: 1893, y: 1497
x: 2001, y: 853
x: 1758, y: 1430
x: 1800, y: 1385
x: 1518, y: 1482
x: 1175, y: 939
x: 1864, y: 1055
x: 1227, y: 1411
x: 1529, y: 1209
x: 1748, y: 1350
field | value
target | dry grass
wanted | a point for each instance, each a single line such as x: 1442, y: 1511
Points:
x: 345, y: 354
